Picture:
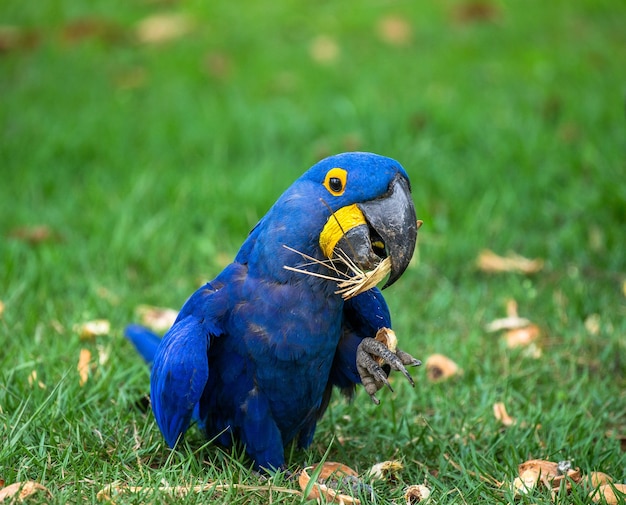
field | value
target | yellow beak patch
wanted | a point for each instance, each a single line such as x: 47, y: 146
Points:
x: 338, y: 224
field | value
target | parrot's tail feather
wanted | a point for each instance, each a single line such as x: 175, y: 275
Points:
x: 349, y: 286
x: 144, y: 341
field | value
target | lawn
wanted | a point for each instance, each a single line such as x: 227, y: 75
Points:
x: 141, y: 140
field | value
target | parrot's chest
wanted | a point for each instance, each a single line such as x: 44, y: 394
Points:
x: 290, y: 336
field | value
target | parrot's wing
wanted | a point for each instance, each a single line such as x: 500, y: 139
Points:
x: 180, y: 370
x: 179, y: 375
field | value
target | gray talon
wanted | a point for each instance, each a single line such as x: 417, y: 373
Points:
x: 373, y: 377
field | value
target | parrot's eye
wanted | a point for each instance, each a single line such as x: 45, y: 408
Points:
x: 335, y: 181
x: 335, y: 184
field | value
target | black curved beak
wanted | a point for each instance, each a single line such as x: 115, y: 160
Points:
x: 391, y: 231
x: 393, y: 219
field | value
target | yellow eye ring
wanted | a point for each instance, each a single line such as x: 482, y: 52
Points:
x: 335, y: 181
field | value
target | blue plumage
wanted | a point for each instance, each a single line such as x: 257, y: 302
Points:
x: 254, y: 354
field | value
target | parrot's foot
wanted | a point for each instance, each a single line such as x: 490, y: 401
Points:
x: 370, y: 355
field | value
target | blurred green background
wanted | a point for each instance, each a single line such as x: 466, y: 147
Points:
x: 141, y: 140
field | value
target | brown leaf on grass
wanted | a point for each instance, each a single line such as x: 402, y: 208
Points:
x: 19, y: 491
x: 507, y: 323
x: 324, y: 49
x: 522, y: 337
x: 14, y: 37
x: 219, y: 64
x: 594, y: 480
x: 416, y: 493
x: 32, y: 379
x: 550, y: 474
x: 1, y: 308
x: 394, y: 30
x: 610, y: 493
x: 475, y: 11
x: 91, y: 329
x: 440, y: 368
x: 159, y: 319
x: 592, y: 324
x: 131, y: 78
x: 500, y: 413
x: 33, y: 234
x: 488, y: 261
x: 333, y: 481
x: 521, y: 332
x: 81, y: 29
x: 161, y: 28
x: 83, y: 366
x: 386, y: 470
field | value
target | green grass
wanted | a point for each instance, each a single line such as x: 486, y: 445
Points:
x: 150, y: 163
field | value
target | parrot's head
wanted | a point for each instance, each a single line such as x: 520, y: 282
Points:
x: 355, y: 205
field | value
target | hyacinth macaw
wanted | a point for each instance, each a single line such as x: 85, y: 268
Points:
x: 254, y: 354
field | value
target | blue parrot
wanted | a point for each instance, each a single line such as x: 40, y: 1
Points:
x: 254, y: 354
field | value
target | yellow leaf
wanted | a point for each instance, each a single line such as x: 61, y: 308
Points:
x: 158, y: 319
x: 500, y: 413
x: 83, y: 366
x: 19, y: 491
x: 440, y: 368
x: 488, y: 261
x: 395, y: 30
x: 331, y: 476
x: 416, y: 494
x: 324, y: 49
x: 387, y: 470
x: 92, y: 329
x: 163, y: 28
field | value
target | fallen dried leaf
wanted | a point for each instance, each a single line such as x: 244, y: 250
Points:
x: 475, y: 11
x: 83, y: 366
x: 611, y: 493
x: 132, y: 78
x: 81, y: 29
x: 159, y: 319
x: 32, y: 234
x: 219, y: 64
x: 324, y: 49
x: 500, y: 413
x: 488, y: 261
x: 416, y: 494
x: 1, y: 309
x: 92, y: 329
x: 394, y: 30
x: 440, y: 368
x: 525, y: 483
x: 522, y: 337
x: 596, y: 479
x: 19, y: 491
x: 32, y: 379
x: 162, y: 28
x: 551, y: 474
x: 388, y: 337
x: 387, y: 470
x: 592, y: 324
x: 333, y: 478
x: 14, y: 37
x: 507, y: 323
